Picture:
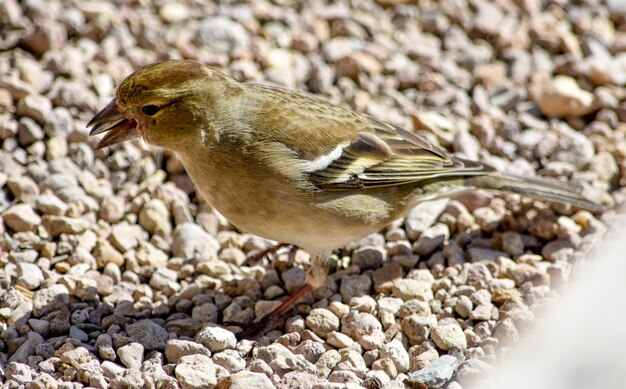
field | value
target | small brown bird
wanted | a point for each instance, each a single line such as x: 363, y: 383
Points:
x: 290, y: 166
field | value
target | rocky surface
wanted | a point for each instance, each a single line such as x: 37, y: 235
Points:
x: 115, y: 274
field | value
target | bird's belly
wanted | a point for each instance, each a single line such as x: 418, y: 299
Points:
x: 271, y: 210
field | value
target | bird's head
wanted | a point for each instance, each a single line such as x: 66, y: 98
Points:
x: 166, y: 103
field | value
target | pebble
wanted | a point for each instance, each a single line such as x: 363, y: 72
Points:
x: 354, y: 286
x: 190, y: 241
x: 322, y: 321
x: 562, y: 96
x: 423, y: 216
x: 50, y: 299
x: 368, y: 257
x: 216, y: 339
x: 29, y: 275
x: 230, y: 360
x: 222, y: 34
x: 148, y: 333
x: 21, y: 218
x: 431, y: 238
x: 131, y: 355
x: 196, y: 371
x: 449, y: 337
x: 364, y: 328
x: 246, y: 379
x: 437, y: 374
x: 397, y: 353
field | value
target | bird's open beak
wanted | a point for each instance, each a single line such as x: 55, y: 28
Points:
x: 118, y: 128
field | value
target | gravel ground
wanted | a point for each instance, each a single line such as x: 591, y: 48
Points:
x: 115, y: 274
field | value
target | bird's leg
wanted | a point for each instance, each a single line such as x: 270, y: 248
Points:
x: 256, y: 257
x: 316, y: 276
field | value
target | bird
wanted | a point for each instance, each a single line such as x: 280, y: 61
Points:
x: 291, y: 166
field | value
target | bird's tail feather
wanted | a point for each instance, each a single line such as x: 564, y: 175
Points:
x: 540, y: 188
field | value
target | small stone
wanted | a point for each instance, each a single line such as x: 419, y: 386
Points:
x: 472, y: 369
x: 463, y: 306
x: 354, y: 286
x: 173, y: 12
x: 29, y: 275
x: 21, y: 218
x: 479, y: 254
x: 431, y: 238
x: 222, y: 34
x: 419, y: 358
x: 131, y: 355
x: 327, y: 362
x: 364, y: 328
x: 195, y: 372
x: 27, y: 348
x: 36, y: 107
x: 423, y: 216
x: 246, y: 379
x: 50, y: 204
x: 522, y: 272
x: 50, y: 299
x: 29, y: 132
x: 58, y: 225
x: 19, y: 373
x: 417, y: 327
x: 339, y: 340
x: 437, y: 373
x: 23, y: 188
x: 294, y: 279
x: 230, y: 360
x: 216, y: 339
x: 112, y: 209
x: 177, y: 348
x: 280, y: 357
x: 151, y: 335
x: 78, y: 334
x: 154, y: 217
x: 562, y: 96
x: 123, y: 237
x: 322, y: 321
x: 190, y: 241
x: 385, y: 277
x: 448, y: 337
x: 368, y: 257
x: 395, y: 351
x: 409, y: 289
x: 512, y: 243
x: 296, y: 379
x: 76, y: 357
x: 482, y: 312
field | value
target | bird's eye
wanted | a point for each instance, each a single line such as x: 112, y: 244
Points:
x: 150, y: 110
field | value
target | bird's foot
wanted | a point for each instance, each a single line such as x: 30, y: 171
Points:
x: 273, y: 319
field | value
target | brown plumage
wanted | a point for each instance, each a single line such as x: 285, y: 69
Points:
x: 290, y: 166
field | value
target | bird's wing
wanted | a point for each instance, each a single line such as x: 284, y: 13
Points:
x: 338, y: 149
x: 386, y: 156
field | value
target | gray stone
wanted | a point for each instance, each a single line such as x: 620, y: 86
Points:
x: 151, y: 335
x: 27, y: 348
x: 423, y: 216
x: 437, y: 373
x: 222, y: 34
x: 50, y: 299
x: 190, y: 241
